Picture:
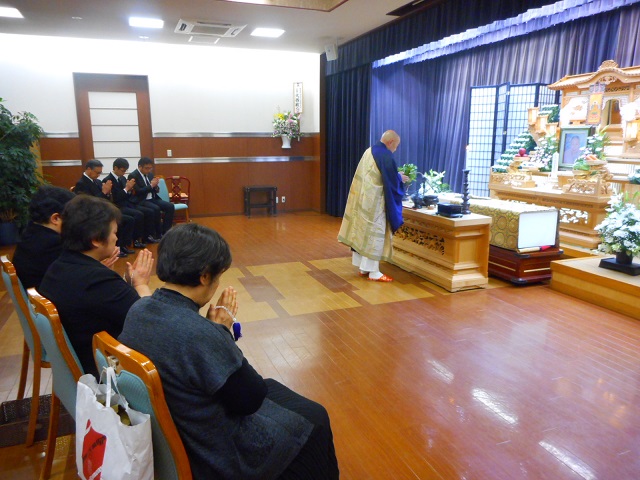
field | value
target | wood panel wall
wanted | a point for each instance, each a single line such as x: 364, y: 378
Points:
x: 216, y: 188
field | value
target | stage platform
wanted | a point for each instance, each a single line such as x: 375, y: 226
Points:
x: 582, y: 278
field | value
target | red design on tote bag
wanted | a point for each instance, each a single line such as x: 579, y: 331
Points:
x: 93, y: 448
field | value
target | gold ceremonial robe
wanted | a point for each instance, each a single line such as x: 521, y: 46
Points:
x: 364, y: 225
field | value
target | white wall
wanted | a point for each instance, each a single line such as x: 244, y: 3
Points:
x: 192, y: 88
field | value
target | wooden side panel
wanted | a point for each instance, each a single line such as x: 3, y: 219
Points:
x: 217, y: 188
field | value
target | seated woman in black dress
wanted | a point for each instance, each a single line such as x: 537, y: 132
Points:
x: 234, y: 424
x: 89, y: 296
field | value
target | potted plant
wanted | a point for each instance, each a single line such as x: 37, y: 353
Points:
x: 287, y: 126
x: 620, y: 230
x: 19, y: 176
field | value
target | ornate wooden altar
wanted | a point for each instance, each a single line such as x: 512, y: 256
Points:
x: 579, y: 213
x: 608, y: 99
x: 450, y: 252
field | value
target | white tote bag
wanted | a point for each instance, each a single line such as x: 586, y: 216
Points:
x: 106, y: 448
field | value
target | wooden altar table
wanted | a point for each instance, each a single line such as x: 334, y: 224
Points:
x: 450, y: 252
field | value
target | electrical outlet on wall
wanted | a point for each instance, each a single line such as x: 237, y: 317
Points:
x: 276, y: 199
x: 284, y: 199
x: 169, y: 153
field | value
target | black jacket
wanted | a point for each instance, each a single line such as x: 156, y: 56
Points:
x: 118, y: 194
x: 90, y: 187
x: 90, y: 298
x: 141, y: 189
x: 38, y: 248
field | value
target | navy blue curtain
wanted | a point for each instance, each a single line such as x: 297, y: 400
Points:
x: 444, y: 19
x: 347, y: 132
x: 628, y: 54
x: 431, y: 99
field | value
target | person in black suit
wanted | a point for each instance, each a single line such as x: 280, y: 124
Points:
x: 40, y: 243
x: 146, y: 194
x: 90, y: 297
x: 121, y: 191
x: 90, y: 185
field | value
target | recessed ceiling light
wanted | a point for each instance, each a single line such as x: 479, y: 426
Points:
x: 146, y: 22
x: 10, y: 12
x: 76, y: 18
x: 267, y: 32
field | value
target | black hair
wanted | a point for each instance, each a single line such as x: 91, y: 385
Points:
x: 93, y: 163
x: 120, y: 163
x: 190, y: 250
x: 48, y: 200
x: 87, y: 218
x: 144, y: 161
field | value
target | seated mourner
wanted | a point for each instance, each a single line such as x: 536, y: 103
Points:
x: 40, y: 243
x: 89, y: 296
x: 234, y: 424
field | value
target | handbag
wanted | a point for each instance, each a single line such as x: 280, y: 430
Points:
x: 113, y: 441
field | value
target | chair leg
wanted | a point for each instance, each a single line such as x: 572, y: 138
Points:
x: 54, y: 414
x: 35, y: 404
x: 24, y: 370
x: 186, y: 215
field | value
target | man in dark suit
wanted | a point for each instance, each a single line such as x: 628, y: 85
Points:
x: 146, y: 194
x: 90, y: 185
x: 121, y: 191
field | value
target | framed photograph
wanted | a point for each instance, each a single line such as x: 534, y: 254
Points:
x: 572, y: 143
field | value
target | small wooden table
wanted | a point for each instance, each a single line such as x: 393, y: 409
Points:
x: 269, y: 202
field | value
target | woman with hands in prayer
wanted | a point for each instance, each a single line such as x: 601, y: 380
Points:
x: 234, y: 424
x: 89, y: 296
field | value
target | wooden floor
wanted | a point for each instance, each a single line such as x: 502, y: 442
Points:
x: 502, y: 383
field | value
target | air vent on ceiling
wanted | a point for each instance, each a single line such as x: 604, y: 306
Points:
x: 190, y: 27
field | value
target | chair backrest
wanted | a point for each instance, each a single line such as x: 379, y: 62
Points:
x: 180, y: 189
x: 163, y: 192
x: 23, y: 309
x: 139, y: 382
x: 65, y: 365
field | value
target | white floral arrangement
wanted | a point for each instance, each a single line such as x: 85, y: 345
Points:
x: 635, y: 177
x: 542, y: 156
x: 434, y: 183
x: 620, y: 230
x: 287, y: 124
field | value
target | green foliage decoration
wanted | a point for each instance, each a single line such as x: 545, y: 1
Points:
x: 19, y: 176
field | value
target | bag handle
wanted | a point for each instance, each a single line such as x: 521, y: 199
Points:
x: 112, y: 386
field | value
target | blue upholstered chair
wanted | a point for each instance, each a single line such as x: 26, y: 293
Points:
x: 163, y: 193
x: 139, y: 382
x: 31, y: 343
x: 65, y: 367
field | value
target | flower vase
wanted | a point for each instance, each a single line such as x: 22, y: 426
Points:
x: 286, y: 141
x: 624, y: 258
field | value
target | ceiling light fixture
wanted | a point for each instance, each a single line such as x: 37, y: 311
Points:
x: 10, y: 12
x: 146, y: 22
x: 267, y: 32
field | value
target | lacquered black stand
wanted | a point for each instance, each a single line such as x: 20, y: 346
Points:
x: 465, y: 192
x: 632, y: 269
